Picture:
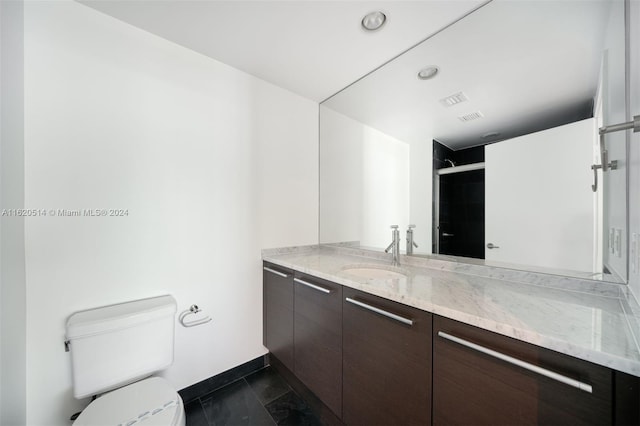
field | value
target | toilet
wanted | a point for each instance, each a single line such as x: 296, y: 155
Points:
x: 115, y: 350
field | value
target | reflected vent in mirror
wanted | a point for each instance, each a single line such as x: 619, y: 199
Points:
x: 454, y: 99
x: 471, y: 116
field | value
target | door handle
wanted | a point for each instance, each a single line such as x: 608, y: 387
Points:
x: 445, y: 234
x: 313, y: 286
x: 273, y: 271
x: 380, y: 311
x: 492, y: 246
x: 612, y: 166
x: 518, y: 362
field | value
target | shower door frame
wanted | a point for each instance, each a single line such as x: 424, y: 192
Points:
x: 436, y: 194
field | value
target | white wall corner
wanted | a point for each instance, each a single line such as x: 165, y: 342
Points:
x: 12, y: 260
x: 633, y: 38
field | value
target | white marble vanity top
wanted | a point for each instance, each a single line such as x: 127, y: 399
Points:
x: 587, y: 325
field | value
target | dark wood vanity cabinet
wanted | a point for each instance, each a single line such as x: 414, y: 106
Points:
x: 626, y: 397
x: 318, y: 338
x: 372, y: 361
x: 386, y: 362
x: 473, y: 383
x: 303, y: 330
x: 278, y: 312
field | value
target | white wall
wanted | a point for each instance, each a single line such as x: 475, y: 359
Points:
x: 385, y: 188
x: 366, y: 183
x: 538, y: 198
x: 421, y: 189
x: 614, y: 111
x: 286, y: 128
x: 211, y: 163
x: 12, y: 257
x: 340, y: 177
x: 634, y: 158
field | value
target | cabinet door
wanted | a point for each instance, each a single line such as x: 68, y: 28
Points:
x: 472, y: 386
x: 318, y: 338
x: 627, y: 399
x: 386, y: 362
x: 278, y: 313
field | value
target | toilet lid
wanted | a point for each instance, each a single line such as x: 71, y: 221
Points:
x: 148, y: 402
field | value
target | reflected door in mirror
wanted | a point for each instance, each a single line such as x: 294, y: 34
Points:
x: 461, y: 215
x: 540, y: 208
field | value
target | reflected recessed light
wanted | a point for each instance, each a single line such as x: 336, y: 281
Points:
x: 373, y: 21
x: 490, y: 135
x: 428, y: 72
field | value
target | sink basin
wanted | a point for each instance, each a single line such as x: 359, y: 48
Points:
x: 374, y: 273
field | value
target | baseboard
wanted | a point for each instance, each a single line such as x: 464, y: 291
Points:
x: 209, y: 385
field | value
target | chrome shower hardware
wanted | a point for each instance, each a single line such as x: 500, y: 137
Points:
x: 410, y: 243
x: 604, y: 155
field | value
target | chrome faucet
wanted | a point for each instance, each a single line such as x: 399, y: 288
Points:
x: 395, y: 245
x: 410, y: 243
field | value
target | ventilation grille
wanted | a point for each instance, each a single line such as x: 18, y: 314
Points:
x: 454, y: 99
x: 471, y: 116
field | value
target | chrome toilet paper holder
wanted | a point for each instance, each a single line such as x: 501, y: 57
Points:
x: 194, y: 309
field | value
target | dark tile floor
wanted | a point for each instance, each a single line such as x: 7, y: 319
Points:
x: 261, y: 398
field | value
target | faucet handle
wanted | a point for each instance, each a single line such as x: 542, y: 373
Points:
x: 394, y: 226
x: 411, y: 226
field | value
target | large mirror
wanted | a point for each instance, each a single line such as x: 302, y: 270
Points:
x: 484, y: 136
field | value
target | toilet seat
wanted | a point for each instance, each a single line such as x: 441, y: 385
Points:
x: 151, y: 401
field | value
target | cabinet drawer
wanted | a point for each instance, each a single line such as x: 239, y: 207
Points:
x: 278, y: 312
x: 386, y: 362
x: 479, y: 378
x: 318, y: 338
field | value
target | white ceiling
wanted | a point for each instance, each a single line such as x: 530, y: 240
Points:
x: 526, y: 65
x: 313, y: 48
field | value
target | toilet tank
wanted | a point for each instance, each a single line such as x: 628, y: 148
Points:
x: 116, y: 345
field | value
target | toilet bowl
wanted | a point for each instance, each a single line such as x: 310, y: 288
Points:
x: 150, y: 401
x: 115, y: 350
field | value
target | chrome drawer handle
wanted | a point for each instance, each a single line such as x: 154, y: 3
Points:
x: 522, y: 364
x: 273, y: 271
x: 380, y: 311
x: 313, y: 286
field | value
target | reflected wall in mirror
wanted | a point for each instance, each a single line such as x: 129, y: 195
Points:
x: 509, y: 123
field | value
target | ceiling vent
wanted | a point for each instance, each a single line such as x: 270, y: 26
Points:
x: 454, y: 99
x: 470, y: 117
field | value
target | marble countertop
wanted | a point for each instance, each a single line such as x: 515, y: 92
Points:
x: 587, y: 325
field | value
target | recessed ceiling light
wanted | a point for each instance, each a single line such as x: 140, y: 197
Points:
x: 373, y: 21
x: 428, y: 72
